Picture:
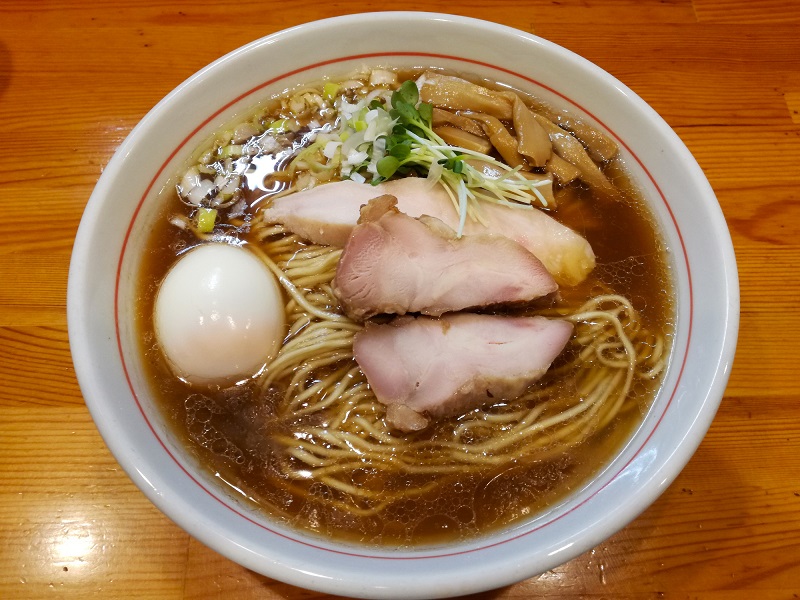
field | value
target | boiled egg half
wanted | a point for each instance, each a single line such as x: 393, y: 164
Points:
x: 218, y: 315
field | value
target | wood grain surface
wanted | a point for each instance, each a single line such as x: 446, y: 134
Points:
x: 76, y: 76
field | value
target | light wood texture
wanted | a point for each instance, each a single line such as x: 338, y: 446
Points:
x: 76, y: 76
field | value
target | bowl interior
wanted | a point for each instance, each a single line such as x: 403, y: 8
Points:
x: 117, y: 220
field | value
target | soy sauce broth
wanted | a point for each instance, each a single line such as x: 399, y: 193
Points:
x: 229, y: 432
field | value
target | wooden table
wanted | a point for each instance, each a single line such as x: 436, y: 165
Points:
x: 76, y: 76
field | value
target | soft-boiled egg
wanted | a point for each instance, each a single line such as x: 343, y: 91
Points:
x: 218, y: 315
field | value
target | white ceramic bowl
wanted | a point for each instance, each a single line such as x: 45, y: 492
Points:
x: 116, y: 222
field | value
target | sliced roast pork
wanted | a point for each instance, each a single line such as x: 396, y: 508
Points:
x: 422, y: 367
x: 396, y: 264
x: 326, y: 214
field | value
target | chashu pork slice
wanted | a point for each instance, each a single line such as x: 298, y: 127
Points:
x: 395, y: 264
x: 327, y: 213
x: 422, y: 367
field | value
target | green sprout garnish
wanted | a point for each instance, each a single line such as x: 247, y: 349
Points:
x: 404, y: 142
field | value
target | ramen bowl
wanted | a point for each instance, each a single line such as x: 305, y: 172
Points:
x: 119, y: 216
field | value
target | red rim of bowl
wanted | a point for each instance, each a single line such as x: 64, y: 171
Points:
x: 158, y: 176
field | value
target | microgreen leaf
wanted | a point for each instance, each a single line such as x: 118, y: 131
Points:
x: 405, y: 112
x: 454, y: 163
x: 407, y: 93
x: 400, y: 150
x: 425, y: 111
x: 387, y: 166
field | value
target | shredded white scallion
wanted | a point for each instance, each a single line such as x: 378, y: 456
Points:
x: 462, y: 206
x: 330, y: 149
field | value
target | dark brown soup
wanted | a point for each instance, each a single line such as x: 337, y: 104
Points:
x: 449, y: 481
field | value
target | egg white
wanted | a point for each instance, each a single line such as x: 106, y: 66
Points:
x: 218, y: 315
